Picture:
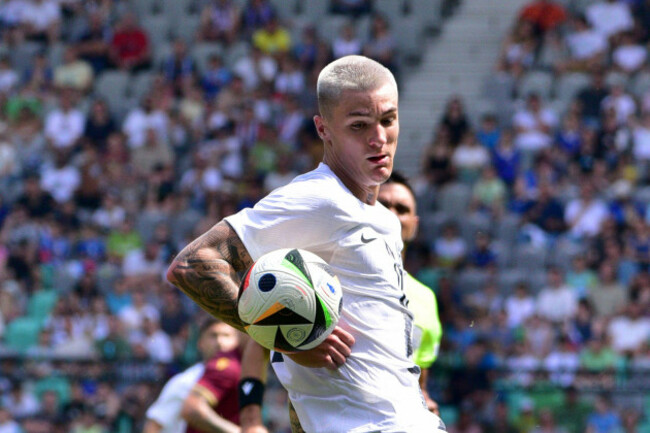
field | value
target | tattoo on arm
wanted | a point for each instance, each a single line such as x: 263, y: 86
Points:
x: 207, y: 271
x: 294, y: 421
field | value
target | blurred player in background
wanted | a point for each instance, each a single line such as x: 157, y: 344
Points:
x: 330, y: 211
x: 212, y: 405
x: 397, y: 195
x: 164, y: 415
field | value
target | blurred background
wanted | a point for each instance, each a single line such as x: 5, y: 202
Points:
x: 128, y: 128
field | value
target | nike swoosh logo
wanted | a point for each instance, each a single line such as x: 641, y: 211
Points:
x: 366, y: 240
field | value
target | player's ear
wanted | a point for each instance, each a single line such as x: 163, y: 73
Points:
x: 321, y: 128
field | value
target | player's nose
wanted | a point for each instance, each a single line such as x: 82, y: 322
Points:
x: 378, y: 136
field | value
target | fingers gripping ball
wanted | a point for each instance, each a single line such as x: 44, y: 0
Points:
x: 290, y: 300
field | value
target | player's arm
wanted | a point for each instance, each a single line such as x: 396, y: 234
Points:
x: 199, y: 414
x: 254, y: 365
x: 151, y: 426
x: 207, y: 271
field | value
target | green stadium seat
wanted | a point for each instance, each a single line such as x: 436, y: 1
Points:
x: 22, y: 333
x: 448, y: 414
x: 41, y: 304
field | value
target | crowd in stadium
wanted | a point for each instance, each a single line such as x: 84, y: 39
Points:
x: 119, y: 145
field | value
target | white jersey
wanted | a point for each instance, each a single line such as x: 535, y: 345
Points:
x: 166, y: 410
x: 377, y: 388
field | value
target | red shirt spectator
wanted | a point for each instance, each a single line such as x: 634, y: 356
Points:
x: 130, y: 44
x: 544, y: 14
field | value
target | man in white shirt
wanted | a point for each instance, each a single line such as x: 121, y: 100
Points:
x: 610, y: 17
x: 557, y: 301
x: 141, y: 119
x: 164, y: 415
x: 64, y: 126
x: 585, y: 215
x: 362, y: 377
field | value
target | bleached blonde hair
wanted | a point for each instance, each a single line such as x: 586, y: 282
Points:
x: 349, y: 73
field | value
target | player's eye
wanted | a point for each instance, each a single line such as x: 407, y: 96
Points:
x: 388, y: 121
x: 401, y: 209
x: 357, y: 126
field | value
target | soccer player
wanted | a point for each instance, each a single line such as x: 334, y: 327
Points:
x: 212, y: 406
x: 397, y: 195
x: 331, y: 212
x: 164, y: 415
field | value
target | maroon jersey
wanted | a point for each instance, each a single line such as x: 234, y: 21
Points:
x: 219, y: 386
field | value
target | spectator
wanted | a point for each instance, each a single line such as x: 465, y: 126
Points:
x: 133, y: 316
x: 547, y: 423
x: 470, y: 158
x: 610, y: 17
x: 256, y: 69
x: 20, y: 402
x: 582, y: 279
x: 489, y: 193
x: 41, y: 21
x: 38, y: 78
x: 179, y: 67
x: 256, y: 15
x: 563, y: 362
x: 591, y: 98
x: 604, y: 419
x: 620, y: 102
x: 7, y: 423
x: 61, y: 180
x: 585, y: 215
x: 129, y: 49
x: 73, y: 73
x: 290, y: 79
x: 518, y: 49
x: 586, y: 47
x: 450, y: 248
x: 489, y: 133
x: 629, y: 331
x: 8, y: 77
x: 454, y: 121
x: 93, y: 45
x: 155, y: 341
x: 381, y: 43
x: 153, y: 154
x: 534, y: 125
x: 142, y: 119
x: 630, y: 55
x: 346, y: 41
x: 220, y: 22
x: 144, y: 266
x: 64, y: 125
x: 608, y: 296
x: 273, y: 39
x: 545, y: 15
x: 519, y: 306
x: 215, y: 77
x: 353, y: 8
x: 99, y: 125
x: 556, y: 302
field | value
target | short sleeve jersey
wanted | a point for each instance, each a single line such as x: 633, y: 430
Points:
x: 219, y: 386
x: 377, y: 388
x: 166, y: 410
x: 427, y: 328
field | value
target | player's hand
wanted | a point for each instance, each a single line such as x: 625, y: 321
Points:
x: 432, y: 406
x: 331, y: 353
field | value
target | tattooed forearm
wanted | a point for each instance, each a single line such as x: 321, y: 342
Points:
x: 294, y: 421
x: 207, y: 271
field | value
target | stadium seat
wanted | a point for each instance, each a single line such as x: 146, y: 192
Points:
x: 286, y: 9
x: 157, y: 28
x: 392, y: 10
x: 642, y: 195
x: 471, y: 280
x: 22, y: 55
x: 614, y: 77
x: 175, y: 8
x: 314, y: 11
x: 409, y: 42
x: 454, y: 199
x: 145, y: 8
x: 507, y: 229
x: 536, y: 280
x: 184, y: 26
x: 112, y: 87
x: 329, y: 26
x: 140, y: 85
x: 640, y: 84
x: 539, y: 82
x: 235, y: 52
x: 472, y: 223
x: 503, y: 252
x: 429, y: 11
x: 55, y: 54
x: 22, y: 333
x: 41, y: 303
x: 183, y: 223
x: 529, y: 258
x: 570, y: 84
x: 507, y: 280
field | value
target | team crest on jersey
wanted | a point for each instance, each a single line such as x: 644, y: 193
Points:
x: 222, y: 363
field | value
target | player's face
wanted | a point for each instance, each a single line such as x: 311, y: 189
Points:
x: 399, y: 200
x: 360, y: 136
x: 219, y: 337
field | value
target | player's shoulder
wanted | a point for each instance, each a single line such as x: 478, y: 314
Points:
x: 317, y: 188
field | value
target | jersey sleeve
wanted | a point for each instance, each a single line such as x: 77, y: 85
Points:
x: 221, y: 376
x: 167, y: 408
x: 286, y: 218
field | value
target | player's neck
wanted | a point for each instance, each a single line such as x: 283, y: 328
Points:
x: 366, y: 194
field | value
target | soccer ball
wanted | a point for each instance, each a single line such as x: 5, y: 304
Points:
x: 290, y: 300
